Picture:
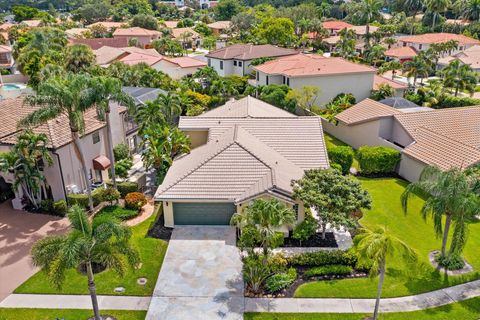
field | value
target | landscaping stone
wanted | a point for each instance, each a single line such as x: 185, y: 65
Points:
x: 119, y: 289
x: 142, y: 281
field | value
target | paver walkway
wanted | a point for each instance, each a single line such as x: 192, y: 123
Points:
x: 200, y: 276
x: 18, y: 232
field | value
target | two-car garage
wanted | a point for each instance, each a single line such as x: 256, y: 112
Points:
x: 203, y: 213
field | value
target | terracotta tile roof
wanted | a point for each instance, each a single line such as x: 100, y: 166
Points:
x: 248, y: 107
x: 186, y: 62
x: 439, y: 38
x: 135, y: 31
x: 311, y: 65
x: 170, y: 24
x: 5, y: 48
x: 76, y: 32
x: 177, y: 32
x: 458, y: 22
x: 5, y: 26
x: 470, y: 56
x: 401, y: 52
x: 362, y: 30
x: 377, y: 80
x: 220, y: 25
x: 129, y: 55
x: 246, y: 157
x: 32, y: 23
x: 366, y: 110
x: 108, y: 24
x: 136, y: 58
x: 57, y: 130
x: 97, y: 43
x: 249, y: 52
x: 336, y: 25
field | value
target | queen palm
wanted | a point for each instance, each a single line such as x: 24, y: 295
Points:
x: 449, y: 195
x: 70, y: 96
x: 393, y: 66
x: 436, y: 7
x: 266, y: 215
x: 470, y: 9
x: 347, y: 42
x: 78, y: 58
x: 103, y: 242
x: 375, y: 246
x: 110, y: 90
x: 170, y: 106
x: 375, y: 53
x: 460, y: 77
x: 368, y: 11
x: 416, y: 67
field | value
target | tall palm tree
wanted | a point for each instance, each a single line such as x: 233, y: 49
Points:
x: 103, y: 241
x: 436, y: 8
x: 170, y: 106
x: 416, y: 67
x: 107, y: 90
x: 78, y: 58
x: 148, y: 113
x: 324, y: 9
x: 459, y: 76
x: 450, y: 195
x: 375, y: 53
x: 70, y: 96
x: 346, y: 44
x: 266, y: 215
x: 393, y: 66
x: 368, y: 11
x: 414, y: 6
x: 376, y: 246
x: 470, y: 9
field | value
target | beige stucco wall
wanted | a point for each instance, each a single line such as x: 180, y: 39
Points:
x: 410, y: 169
x: 197, y: 137
x: 174, y: 71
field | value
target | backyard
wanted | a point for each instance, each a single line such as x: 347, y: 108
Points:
x: 152, y: 252
x: 402, y: 279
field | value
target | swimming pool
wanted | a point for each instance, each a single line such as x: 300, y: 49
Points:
x: 12, y: 86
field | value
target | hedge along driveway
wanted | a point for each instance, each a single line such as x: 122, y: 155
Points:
x: 152, y: 252
x: 402, y: 279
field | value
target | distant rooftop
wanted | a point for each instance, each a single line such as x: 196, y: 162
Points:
x: 249, y: 51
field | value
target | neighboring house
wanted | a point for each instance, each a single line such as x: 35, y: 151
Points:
x: 397, y: 86
x: 422, y: 42
x: 401, y: 54
x: 243, y: 150
x: 109, y: 25
x: 331, y: 76
x: 144, y: 36
x: 170, y: 24
x: 219, y: 27
x: 75, y: 33
x: 32, y: 23
x: 335, y: 26
x: 186, y: 36
x: 6, y: 58
x: 444, y: 137
x: 360, y: 31
x: 179, y: 67
x: 236, y: 59
x: 97, y: 43
x: 470, y: 56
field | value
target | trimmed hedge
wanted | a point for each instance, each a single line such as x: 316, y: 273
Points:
x: 323, y: 258
x: 375, y: 160
x: 81, y: 199
x: 135, y: 200
x: 127, y: 187
x: 342, y: 155
x: 335, y: 269
x: 118, y: 213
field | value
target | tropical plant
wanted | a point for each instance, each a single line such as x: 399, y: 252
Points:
x: 469, y: 9
x: 304, y: 97
x: 102, y: 242
x: 169, y: 106
x: 416, y: 67
x: 393, y: 66
x: 436, y: 8
x: 368, y: 11
x: 78, y: 58
x: 70, y: 96
x: 375, y: 53
x: 459, y: 76
x: 265, y: 215
x: 346, y: 44
x: 382, y: 91
x: 23, y: 161
x: 374, y: 247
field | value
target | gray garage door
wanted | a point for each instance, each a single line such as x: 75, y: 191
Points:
x: 203, y: 213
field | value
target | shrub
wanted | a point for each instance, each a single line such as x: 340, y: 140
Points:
x: 249, y: 237
x: 97, y: 196
x: 277, y: 240
x: 46, y: 205
x: 126, y: 187
x: 451, y: 262
x: 110, y: 194
x: 135, y: 200
x: 323, y: 258
x: 336, y: 166
x: 305, y: 230
x: 277, y: 263
x: 120, y: 152
x: 342, y: 155
x: 80, y: 199
x: 453, y: 102
x: 60, y: 208
x: 280, y: 281
x: 335, y: 269
x: 254, y: 272
x: 118, y: 212
x: 374, y: 160
x: 122, y: 167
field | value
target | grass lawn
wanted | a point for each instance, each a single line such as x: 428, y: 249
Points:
x: 465, y: 310
x: 402, y: 279
x: 66, y: 314
x: 331, y: 142
x: 152, y: 252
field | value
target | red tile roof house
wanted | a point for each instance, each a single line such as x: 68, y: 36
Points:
x: 401, y: 54
x: 144, y: 36
x: 236, y: 59
x: 243, y: 150
x: 331, y: 75
x: 445, y: 137
x: 398, y: 87
x: 422, y: 42
x: 335, y: 26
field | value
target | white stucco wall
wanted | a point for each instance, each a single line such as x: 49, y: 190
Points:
x: 116, y: 125
x: 229, y: 68
x: 410, y: 169
x: 174, y: 71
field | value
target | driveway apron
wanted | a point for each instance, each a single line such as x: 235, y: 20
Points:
x: 200, y: 277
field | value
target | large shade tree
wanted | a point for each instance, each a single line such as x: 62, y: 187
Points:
x: 102, y: 242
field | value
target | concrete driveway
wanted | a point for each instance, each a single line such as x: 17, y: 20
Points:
x: 200, y: 277
x: 18, y: 232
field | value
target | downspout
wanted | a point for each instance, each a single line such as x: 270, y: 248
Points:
x: 61, y: 175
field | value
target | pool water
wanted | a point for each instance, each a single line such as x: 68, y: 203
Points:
x: 10, y: 86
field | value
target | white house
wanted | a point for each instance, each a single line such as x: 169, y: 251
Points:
x: 332, y: 76
x: 422, y: 42
x: 179, y: 67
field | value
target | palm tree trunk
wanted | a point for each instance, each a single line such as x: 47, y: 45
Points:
x: 324, y: 230
x: 78, y: 150
x: 446, y: 230
x: 93, y: 291
x: 367, y: 34
x: 456, y: 91
x: 433, y: 24
x: 379, y: 290
x: 110, y: 148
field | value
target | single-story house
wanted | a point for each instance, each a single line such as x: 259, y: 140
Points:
x: 335, y: 26
x: 332, y: 76
x: 470, y: 56
x: 243, y: 150
x: 97, y: 43
x: 422, y: 42
x: 170, y: 24
x: 401, y: 54
x: 143, y: 36
x: 219, y: 27
x: 179, y: 67
x: 75, y: 33
x: 109, y: 25
x: 237, y: 58
x: 32, y: 23
x: 397, y: 86
x: 444, y: 137
x: 186, y: 36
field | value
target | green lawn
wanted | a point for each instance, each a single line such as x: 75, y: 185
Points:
x: 152, y: 252
x: 331, y: 142
x: 66, y: 314
x: 402, y: 279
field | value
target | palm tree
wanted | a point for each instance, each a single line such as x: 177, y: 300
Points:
x: 170, y: 106
x: 109, y: 90
x: 78, y: 58
x: 347, y: 42
x: 414, y: 6
x: 393, y: 66
x: 71, y: 96
x: 390, y: 41
x: 324, y: 9
x: 459, y: 76
x: 266, y: 215
x: 416, y: 67
x: 375, y: 246
x: 223, y: 87
x: 436, y: 7
x: 375, y: 53
x: 103, y: 242
x: 148, y: 113
x: 470, y: 9
x: 449, y: 193
x: 368, y: 11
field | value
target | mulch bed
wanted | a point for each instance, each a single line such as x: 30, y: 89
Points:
x: 314, y: 241
x: 159, y: 231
